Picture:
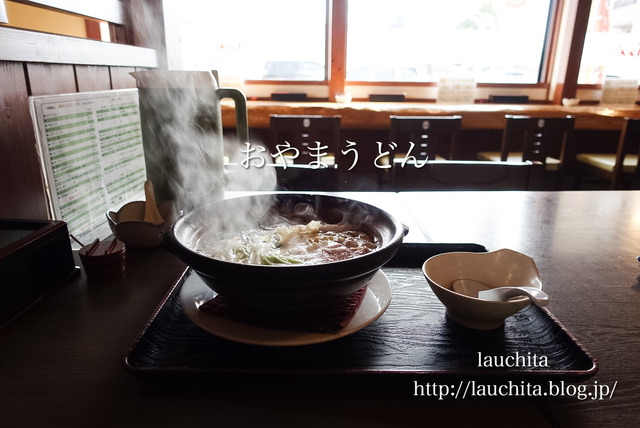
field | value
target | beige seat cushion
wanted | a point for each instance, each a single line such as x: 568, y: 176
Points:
x: 552, y: 164
x: 606, y: 161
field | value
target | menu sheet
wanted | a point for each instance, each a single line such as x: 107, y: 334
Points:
x: 619, y: 91
x: 456, y: 90
x: 90, y: 146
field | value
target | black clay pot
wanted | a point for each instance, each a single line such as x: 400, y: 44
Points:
x: 284, y: 287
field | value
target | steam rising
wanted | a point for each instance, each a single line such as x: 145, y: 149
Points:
x: 183, y: 141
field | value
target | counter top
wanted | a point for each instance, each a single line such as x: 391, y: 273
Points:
x: 375, y: 115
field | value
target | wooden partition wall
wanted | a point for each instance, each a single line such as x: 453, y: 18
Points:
x: 22, y: 193
x: 33, y: 63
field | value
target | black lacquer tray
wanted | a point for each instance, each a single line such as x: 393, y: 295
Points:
x: 413, y: 338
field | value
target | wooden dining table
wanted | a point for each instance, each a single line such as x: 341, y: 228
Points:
x: 63, y: 360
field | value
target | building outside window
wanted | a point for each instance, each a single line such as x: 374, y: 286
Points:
x: 612, y: 43
x: 255, y: 39
x: 493, y: 41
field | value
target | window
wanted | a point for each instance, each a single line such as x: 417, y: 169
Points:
x: 612, y: 44
x: 270, y: 46
x: 494, y: 41
x: 255, y: 39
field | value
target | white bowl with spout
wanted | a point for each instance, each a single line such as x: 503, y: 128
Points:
x: 501, y: 268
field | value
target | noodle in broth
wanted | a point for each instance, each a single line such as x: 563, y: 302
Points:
x: 312, y: 243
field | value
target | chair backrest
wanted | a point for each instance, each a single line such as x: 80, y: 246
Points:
x: 279, y: 177
x: 463, y: 175
x: 536, y: 137
x: 304, y: 178
x: 302, y: 132
x: 431, y: 135
x: 629, y: 143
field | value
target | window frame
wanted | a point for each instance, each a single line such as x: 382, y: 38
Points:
x: 335, y: 76
x: 566, y: 35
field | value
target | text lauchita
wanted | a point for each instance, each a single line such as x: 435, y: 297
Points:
x: 512, y: 360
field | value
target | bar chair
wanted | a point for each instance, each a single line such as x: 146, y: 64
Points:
x: 536, y: 139
x: 464, y: 175
x: 434, y: 137
x: 422, y: 137
x: 304, y: 178
x: 302, y: 132
x: 621, y: 169
x: 280, y: 177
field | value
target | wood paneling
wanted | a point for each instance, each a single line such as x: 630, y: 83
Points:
x: 121, y: 79
x: 51, y: 79
x: 33, y: 63
x: 22, y: 190
x: 23, y: 194
x: 92, y: 78
x: 20, y: 45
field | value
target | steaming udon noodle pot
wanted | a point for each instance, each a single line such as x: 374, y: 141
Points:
x: 311, y: 243
x: 285, y: 251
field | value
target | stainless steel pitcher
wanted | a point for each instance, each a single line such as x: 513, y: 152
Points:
x: 182, y: 133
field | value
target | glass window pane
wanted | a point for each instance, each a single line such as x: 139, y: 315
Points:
x: 255, y: 39
x: 612, y: 43
x: 493, y: 40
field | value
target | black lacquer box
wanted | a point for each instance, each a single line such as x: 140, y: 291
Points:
x: 35, y: 257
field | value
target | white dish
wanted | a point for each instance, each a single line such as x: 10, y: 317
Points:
x: 195, y: 293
